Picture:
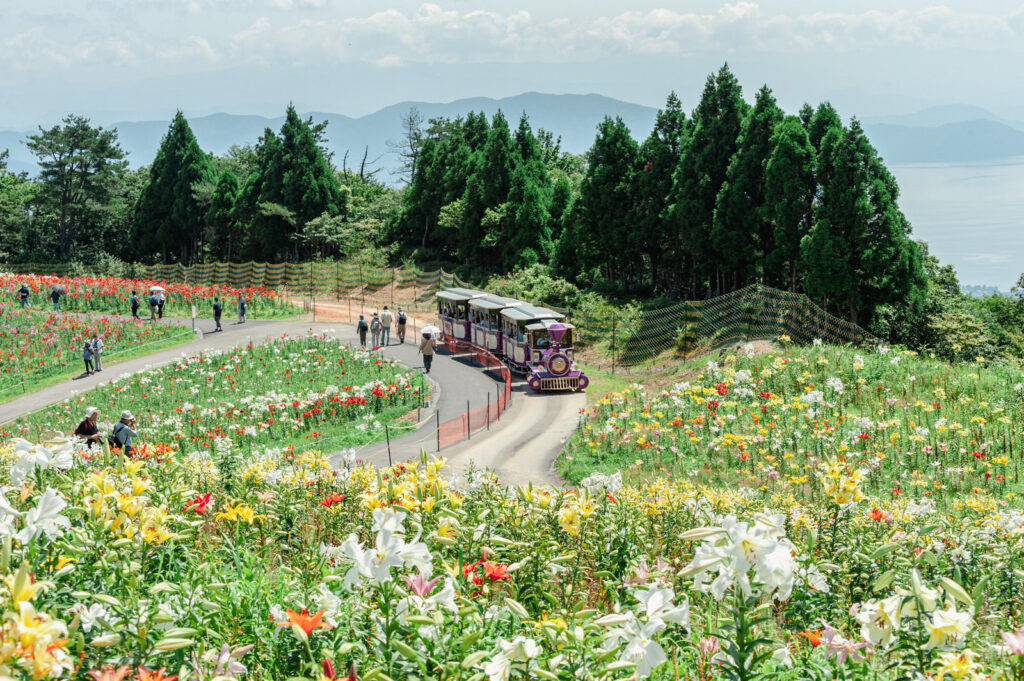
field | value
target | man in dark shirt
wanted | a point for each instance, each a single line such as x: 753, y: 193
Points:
x: 217, y: 309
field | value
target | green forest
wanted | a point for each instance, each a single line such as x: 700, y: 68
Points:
x: 736, y: 192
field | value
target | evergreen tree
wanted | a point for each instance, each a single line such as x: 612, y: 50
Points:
x: 221, y: 218
x: 601, y: 224
x: 702, y: 170
x: 858, y: 254
x: 743, y: 231
x: 789, y: 194
x: 528, y: 238
x: 169, y: 213
x: 309, y: 187
x: 824, y: 119
x: 496, y: 168
x: 659, y: 157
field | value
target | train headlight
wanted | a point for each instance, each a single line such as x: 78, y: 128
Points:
x: 568, y: 353
x: 536, y: 357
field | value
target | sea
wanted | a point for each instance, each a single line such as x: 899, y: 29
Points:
x: 971, y: 215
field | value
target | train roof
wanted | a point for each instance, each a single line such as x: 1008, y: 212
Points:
x: 493, y: 302
x: 542, y: 324
x: 460, y: 295
x: 527, y: 312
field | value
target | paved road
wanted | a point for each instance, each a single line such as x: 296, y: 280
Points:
x: 520, y: 448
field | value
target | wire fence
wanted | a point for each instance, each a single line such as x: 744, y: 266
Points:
x: 607, y: 337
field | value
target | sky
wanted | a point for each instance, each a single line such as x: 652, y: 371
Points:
x: 143, y: 59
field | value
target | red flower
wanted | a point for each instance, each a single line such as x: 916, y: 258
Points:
x: 199, y: 504
x: 875, y: 515
x: 303, y: 620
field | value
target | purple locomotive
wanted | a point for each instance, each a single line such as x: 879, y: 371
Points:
x: 551, y: 357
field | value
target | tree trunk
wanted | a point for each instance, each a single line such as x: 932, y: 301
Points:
x: 853, y: 312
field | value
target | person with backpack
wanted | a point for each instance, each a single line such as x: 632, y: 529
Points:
x: 385, y: 319
x: 23, y: 294
x: 400, y: 325
x: 152, y: 307
x: 97, y: 352
x: 427, y: 346
x: 135, y: 305
x: 87, y: 357
x: 217, y: 309
x: 55, y: 297
x: 123, y: 434
x: 241, y: 308
x: 375, y: 329
x: 361, y: 328
x: 87, y: 430
x: 160, y: 304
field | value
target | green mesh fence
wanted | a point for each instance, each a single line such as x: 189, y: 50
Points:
x: 614, y: 337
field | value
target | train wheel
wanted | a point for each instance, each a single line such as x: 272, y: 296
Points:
x: 534, y: 383
x: 583, y: 382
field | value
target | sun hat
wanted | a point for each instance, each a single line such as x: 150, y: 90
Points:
x: 89, y: 411
x: 126, y: 416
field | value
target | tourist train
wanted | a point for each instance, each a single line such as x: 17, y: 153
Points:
x: 531, y: 340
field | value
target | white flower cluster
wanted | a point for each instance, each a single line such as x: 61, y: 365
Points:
x: 600, y: 483
x: 390, y: 550
x: 756, y: 559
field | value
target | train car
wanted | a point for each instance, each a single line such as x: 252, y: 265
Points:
x: 485, y: 320
x: 453, y: 312
x: 516, y: 346
x: 551, y: 357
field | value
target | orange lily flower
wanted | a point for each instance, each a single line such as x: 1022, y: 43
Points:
x: 303, y: 620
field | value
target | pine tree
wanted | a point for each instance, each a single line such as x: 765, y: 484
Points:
x: 742, y: 230
x: 528, y: 238
x: 496, y: 169
x: 659, y: 157
x: 168, y: 211
x: 789, y: 194
x: 825, y: 118
x: 701, y: 172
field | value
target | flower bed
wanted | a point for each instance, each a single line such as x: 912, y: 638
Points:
x: 289, y: 391
x: 37, y: 346
x: 285, y: 568
x: 916, y: 426
x: 112, y: 295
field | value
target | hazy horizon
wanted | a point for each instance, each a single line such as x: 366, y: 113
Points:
x: 135, y: 60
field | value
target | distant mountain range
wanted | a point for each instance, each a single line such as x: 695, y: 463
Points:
x: 953, y: 133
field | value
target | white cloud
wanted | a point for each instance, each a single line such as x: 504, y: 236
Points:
x: 390, y: 61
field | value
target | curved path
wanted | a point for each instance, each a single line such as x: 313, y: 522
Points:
x: 520, y: 448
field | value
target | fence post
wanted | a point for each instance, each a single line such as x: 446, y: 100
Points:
x: 437, y: 415
x: 614, y: 320
x: 488, y: 410
x: 497, y: 400
x: 469, y: 426
x: 387, y: 434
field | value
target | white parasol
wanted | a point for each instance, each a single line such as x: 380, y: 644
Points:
x: 156, y: 289
x: 431, y: 329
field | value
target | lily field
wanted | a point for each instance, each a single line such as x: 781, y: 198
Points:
x: 112, y: 295
x: 816, y: 513
x: 39, y: 346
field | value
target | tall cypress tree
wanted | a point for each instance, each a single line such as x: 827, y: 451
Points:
x: 742, y: 230
x: 528, y: 238
x: 309, y: 187
x: 496, y: 168
x: 858, y: 253
x: 702, y: 170
x: 789, y: 194
x: 659, y: 157
x: 221, y: 218
x: 825, y: 118
x: 601, y: 221
x: 168, y: 210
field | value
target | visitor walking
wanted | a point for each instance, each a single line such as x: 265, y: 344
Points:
x: 55, y: 297
x: 160, y: 304
x: 386, y: 318
x: 361, y: 328
x: 123, y: 434
x: 427, y: 345
x: 400, y: 325
x: 241, y: 308
x: 87, y: 430
x: 97, y: 352
x: 375, y: 329
x: 87, y: 357
x: 152, y: 307
x: 217, y: 309
x: 135, y: 305
x: 23, y: 294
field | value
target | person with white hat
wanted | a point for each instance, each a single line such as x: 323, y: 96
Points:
x: 87, y: 430
x: 123, y: 434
